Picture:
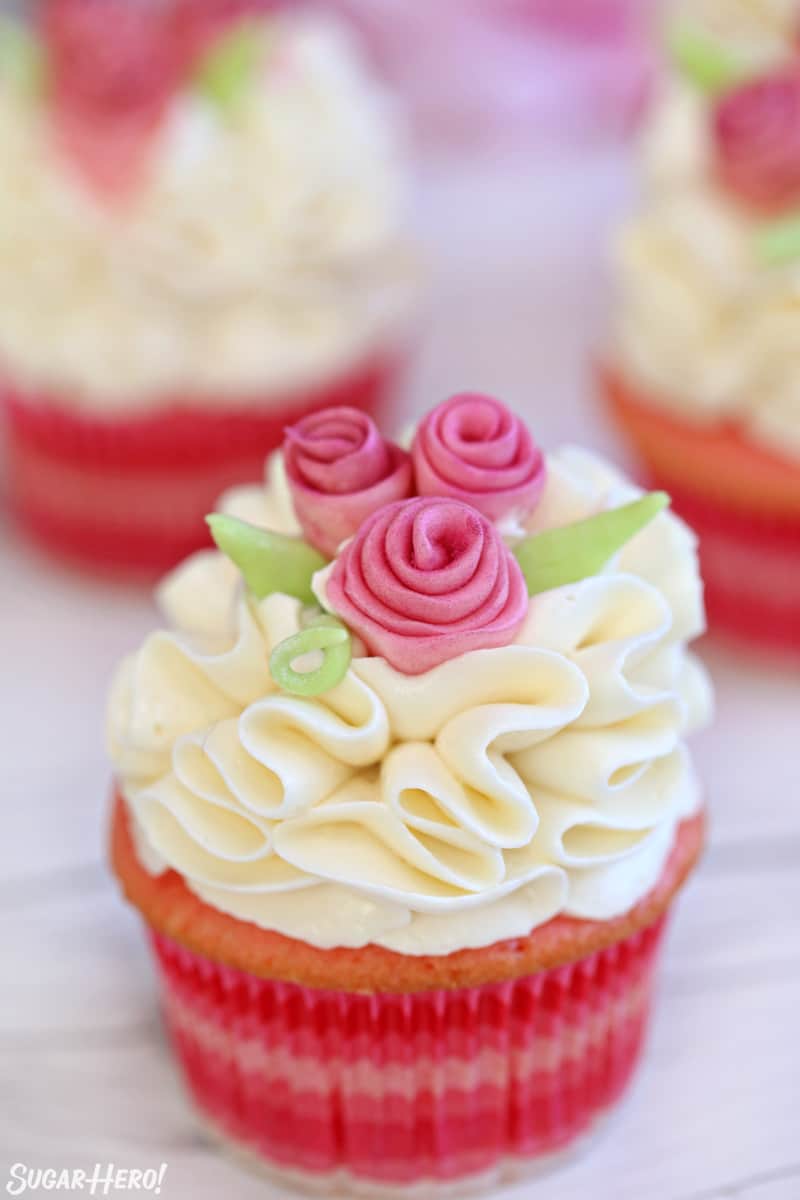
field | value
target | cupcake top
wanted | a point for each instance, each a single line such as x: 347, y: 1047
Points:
x: 425, y: 697
x: 209, y: 203
x: 709, y: 265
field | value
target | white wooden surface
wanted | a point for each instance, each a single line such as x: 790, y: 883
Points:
x: 518, y: 299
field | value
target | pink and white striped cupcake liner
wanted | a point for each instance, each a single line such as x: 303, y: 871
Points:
x: 751, y: 571
x: 129, y: 494
x: 379, y: 1092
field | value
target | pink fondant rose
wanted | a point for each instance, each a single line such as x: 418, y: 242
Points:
x: 109, y: 91
x: 340, y: 470
x: 757, y: 141
x: 474, y: 449
x: 425, y: 580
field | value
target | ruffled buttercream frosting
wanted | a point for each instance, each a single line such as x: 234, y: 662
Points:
x: 260, y: 252
x: 427, y: 812
x: 703, y: 323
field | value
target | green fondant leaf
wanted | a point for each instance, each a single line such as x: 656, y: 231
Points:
x: 705, y: 63
x: 227, y: 70
x: 326, y: 634
x: 779, y: 241
x: 574, y: 552
x: 21, y: 58
x: 270, y: 562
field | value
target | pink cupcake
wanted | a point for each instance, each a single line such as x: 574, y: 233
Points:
x: 702, y: 373
x: 201, y: 240
x: 404, y: 798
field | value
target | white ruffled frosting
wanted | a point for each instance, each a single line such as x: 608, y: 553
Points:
x: 262, y: 252
x: 431, y: 812
x: 703, y: 325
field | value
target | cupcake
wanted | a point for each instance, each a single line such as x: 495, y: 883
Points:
x: 702, y: 375
x: 404, y: 799
x: 201, y: 240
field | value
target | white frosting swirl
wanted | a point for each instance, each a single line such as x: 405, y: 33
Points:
x: 431, y: 812
x: 260, y: 252
x: 703, y: 325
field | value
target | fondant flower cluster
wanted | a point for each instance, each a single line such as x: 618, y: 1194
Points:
x: 421, y: 570
x: 109, y: 68
x: 757, y: 140
x: 471, y: 448
x: 754, y: 134
x: 426, y: 575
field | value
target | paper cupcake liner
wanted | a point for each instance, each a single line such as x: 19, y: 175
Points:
x: 749, y: 556
x: 388, y: 1090
x: 342, y: 1184
x: 750, y: 568
x: 130, y: 493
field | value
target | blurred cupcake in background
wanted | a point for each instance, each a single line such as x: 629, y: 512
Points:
x: 200, y: 240
x: 703, y: 375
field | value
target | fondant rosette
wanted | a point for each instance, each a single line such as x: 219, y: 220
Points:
x: 756, y: 129
x: 748, y: 131
x: 109, y: 100
x: 474, y: 449
x: 341, y: 470
x: 425, y: 580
